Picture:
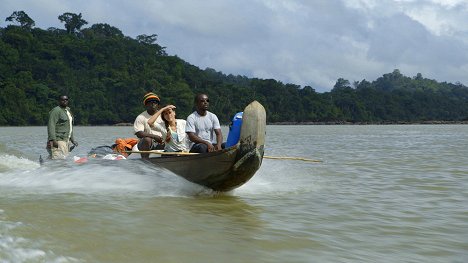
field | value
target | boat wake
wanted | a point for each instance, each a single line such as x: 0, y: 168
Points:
x: 11, y: 162
x: 22, y: 176
x: 105, y: 177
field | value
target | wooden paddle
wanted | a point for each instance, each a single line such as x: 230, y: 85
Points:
x: 291, y: 158
x: 265, y: 156
x: 162, y: 153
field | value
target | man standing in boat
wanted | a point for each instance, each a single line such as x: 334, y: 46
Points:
x: 60, y: 130
x: 203, y: 127
x: 150, y: 138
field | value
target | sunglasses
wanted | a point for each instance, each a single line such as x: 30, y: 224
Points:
x: 64, y: 99
x: 207, y: 100
x: 153, y: 101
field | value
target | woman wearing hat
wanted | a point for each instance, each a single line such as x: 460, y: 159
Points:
x: 172, y: 130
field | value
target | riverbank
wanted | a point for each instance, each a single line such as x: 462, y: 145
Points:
x: 368, y: 123
x: 313, y: 123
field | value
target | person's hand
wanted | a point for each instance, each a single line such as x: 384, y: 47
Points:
x: 55, y: 144
x: 158, y: 139
x: 169, y: 107
x: 211, y: 148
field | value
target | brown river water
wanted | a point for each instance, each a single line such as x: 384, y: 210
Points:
x: 382, y: 193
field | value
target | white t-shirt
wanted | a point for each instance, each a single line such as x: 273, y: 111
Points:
x: 179, y: 141
x: 203, y: 126
x: 141, y: 124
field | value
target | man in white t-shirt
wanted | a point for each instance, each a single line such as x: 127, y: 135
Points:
x: 203, y: 127
x: 150, y: 139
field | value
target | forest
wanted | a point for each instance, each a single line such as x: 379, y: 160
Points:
x: 106, y: 74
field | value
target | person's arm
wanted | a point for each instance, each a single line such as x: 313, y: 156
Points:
x: 142, y: 134
x: 219, y: 139
x: 155, y: 116
x: 194, y: 138
x: 140, y: 131
x: 53, y: 118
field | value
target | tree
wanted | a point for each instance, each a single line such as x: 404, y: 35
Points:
x: 106, y: 30
x: 418, y: 76
x: 73, y: 22
x: 341, y: 84
x: 22, y: 18
x: 107, y: 73
x: 148, y: 40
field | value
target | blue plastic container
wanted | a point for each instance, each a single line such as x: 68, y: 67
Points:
x: 234, y: 130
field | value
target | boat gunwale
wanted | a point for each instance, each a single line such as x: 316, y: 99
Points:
x: 175, y: 157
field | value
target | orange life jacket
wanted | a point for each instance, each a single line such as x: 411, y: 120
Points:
x: 123, y: 145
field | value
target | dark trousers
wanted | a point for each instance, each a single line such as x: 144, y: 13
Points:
x: 202, y: 148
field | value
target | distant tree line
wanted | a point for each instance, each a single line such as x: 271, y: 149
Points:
x: 106, y: 74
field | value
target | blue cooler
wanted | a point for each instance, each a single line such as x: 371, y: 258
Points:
x: 234, y: 130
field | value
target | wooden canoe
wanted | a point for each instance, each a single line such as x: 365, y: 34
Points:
x: 229, y: 168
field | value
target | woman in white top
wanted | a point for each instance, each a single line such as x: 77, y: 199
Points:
x: 173, y: 130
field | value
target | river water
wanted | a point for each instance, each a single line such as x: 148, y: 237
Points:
x: 389, y: 193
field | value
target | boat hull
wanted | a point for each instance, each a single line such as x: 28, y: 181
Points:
x: 229, y: 168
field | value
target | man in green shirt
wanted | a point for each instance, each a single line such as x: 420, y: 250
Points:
x: 60, y: 130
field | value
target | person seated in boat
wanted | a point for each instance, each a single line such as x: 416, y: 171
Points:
x: 172, y: 130
x: 150, y: 138
x: 203, y: 127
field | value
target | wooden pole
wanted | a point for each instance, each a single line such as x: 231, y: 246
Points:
x: 162, y: 153
x: 265, y: 156
x: 291, y: 158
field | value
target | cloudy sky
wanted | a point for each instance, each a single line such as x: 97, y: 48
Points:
x: 304, y: 42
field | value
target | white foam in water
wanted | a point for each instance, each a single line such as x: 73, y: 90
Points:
x: 123, y: 177
x: 11, y: 162
x: 103, y: 177
x: 18, y: 249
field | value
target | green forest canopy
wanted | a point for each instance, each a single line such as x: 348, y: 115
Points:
x: 106, y: 73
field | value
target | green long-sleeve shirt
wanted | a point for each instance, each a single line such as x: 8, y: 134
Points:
x: 59, y: 126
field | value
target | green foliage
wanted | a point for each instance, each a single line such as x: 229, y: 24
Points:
x: 73, y: 22
x: 106, y: 75
x: 21, y: 18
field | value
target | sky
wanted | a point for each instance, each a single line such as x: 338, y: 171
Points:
x: 303, y: 42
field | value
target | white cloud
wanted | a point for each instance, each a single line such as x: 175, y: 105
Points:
x: 294, y: 41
